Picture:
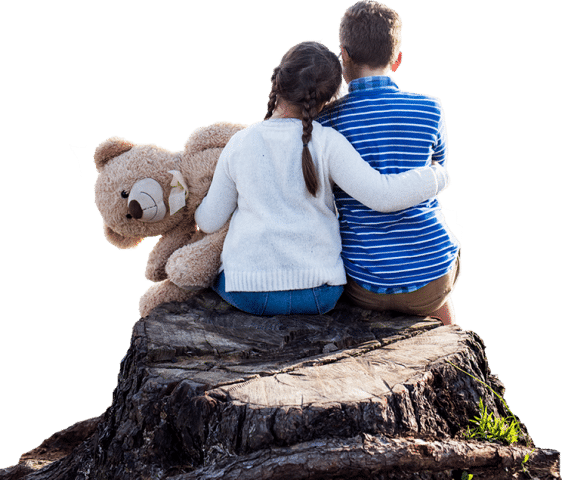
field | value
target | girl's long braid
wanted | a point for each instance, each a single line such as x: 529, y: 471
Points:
x: 271, y: 103
x: 273, y: 94
x: 309, y: 75
x: 309, y: 112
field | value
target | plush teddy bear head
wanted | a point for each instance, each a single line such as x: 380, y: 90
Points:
x: 144, y: 190
x: 138, y: 191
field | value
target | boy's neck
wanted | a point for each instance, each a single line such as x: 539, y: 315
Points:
x: 353, y: 71
x: 361, y: 71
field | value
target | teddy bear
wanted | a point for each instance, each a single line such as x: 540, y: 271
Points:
x: 144, y: 190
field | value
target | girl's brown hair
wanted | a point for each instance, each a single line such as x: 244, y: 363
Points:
x: 309, y: 75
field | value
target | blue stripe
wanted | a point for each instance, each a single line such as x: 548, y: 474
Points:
x: 393, y: 131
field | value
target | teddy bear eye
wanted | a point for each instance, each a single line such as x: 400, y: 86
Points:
x: 124, y: 194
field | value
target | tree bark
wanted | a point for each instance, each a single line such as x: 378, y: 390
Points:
x: 380, y: 457
x: 206, y: 391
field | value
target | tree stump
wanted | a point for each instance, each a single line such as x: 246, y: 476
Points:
x: 209, y: 392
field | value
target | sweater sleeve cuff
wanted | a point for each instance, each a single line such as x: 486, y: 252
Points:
x: 441, y: 176
x: 200, y: 221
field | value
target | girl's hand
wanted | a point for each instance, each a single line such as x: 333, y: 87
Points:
x: 442, y: 175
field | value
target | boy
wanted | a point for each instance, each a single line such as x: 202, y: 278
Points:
x: 405, y: 261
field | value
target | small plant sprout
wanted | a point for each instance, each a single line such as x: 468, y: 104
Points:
x: 488, y: 426
x: 525, y: 460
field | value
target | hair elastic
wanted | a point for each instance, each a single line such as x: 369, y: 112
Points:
x: 305, y: 145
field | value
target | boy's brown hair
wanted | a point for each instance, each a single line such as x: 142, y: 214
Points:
x: 371, y: 33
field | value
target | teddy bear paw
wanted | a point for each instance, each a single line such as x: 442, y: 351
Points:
x: 163, y: 292
x: 155, y: 274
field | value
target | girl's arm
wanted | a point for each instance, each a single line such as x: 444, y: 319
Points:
x: 383, y: 193
x: 221, y: 200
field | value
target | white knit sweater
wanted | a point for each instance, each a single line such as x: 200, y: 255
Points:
x: 280, y: 236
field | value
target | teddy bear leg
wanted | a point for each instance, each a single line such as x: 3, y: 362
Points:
x: 163, y: 292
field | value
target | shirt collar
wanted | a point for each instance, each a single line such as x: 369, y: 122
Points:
x: 370, y: 83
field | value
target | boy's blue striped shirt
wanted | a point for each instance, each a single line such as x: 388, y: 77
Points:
x: 393, y: 131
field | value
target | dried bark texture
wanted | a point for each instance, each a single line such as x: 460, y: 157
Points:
x: 380, y: 457
x: 54, y: 448
x: 206, y: 391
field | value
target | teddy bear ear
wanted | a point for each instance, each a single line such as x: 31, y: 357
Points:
x: 213, y: 136
x: 119, y: 240
x: 110, y: 149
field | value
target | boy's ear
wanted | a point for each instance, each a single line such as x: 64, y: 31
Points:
x: 344, y: 54
x: 397, y: 63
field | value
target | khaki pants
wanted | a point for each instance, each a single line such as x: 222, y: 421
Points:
x: 422, y: 302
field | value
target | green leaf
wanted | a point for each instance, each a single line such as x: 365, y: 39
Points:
x: 489, y: 427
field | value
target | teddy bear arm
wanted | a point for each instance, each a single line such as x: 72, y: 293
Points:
x: 166, y: 246
x: 197, y: 264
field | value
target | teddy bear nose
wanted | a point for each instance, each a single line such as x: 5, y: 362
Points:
x: 146, y: 201
x: 135, y: 209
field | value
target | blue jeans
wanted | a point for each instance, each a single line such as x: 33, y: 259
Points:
x: 309, y: 301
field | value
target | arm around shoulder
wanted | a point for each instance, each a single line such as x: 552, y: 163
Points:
x: 441, y: 175
x: 383, y: 193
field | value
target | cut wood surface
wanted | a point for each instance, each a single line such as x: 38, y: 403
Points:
x: 206, y: 391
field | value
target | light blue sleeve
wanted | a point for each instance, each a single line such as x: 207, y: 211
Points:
x: 222, y: 197
x: 383, y: 193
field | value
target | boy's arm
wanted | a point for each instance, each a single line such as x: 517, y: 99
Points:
x: 383, y: 193
x: 440, y: 145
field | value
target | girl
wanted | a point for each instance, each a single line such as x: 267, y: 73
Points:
x: 282, y: 251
